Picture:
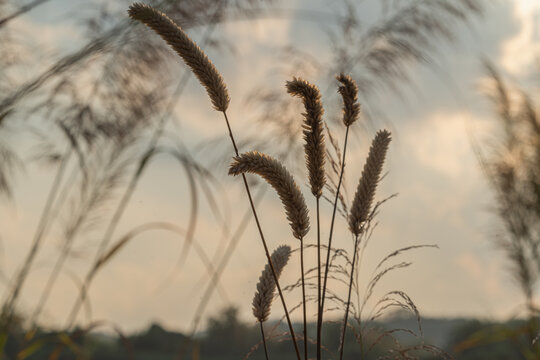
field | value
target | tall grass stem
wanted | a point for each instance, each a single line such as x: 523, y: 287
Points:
x: 344, y: 330
x: 318, y: 276
x: 246, y: 185
x: 327, y: 264
x: 263, y: 340
x: 303, y: 297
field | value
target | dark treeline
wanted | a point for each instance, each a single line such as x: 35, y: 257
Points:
x: 226, y: 337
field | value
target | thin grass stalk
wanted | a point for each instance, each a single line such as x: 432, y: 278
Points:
x: 109, y: 232
x: 61, y: 199
x: 318, y: 272
x: 303, y: 297
x: 326, y: 268
x: 10, y: 302
x: 221, y: 267
x: 246, y: 185
x: 344, y: 330
x: 64, y: 253
x: 49, y: 284
x: 263, y: 340
x: 314, y: 149
x: 68, y: 242
x: 212, y: 80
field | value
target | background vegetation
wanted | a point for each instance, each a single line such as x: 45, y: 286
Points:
x: 101, y: 112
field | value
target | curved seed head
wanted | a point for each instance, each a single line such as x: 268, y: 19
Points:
x: 349, y: 93
x: 282, y: 181
x: 266, y: 287
x: 188, y: 50
x: 313, y: 131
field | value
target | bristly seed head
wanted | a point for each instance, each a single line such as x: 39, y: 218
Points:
x: 371, y: 173
x: 262, y: 301
x: 282, y: 181
x: 314, y: 147
x: 188, y: 50
x: 349, y: 93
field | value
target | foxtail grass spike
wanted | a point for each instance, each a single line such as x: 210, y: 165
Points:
x: 365, y: 192
x: 282, y: 181
x: 262, y: 301
x: 188, y: 50
x: 313, y: 131
x: 349, y: 93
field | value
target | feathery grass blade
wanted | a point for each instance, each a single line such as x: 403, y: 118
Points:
x: 188, y: 50
x: 349, y: 93
x: 266, y: 287
x: 282, y: 181
x: 365, y: 192
x: 313, y: 131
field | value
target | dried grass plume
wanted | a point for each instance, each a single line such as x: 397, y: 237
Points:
x: 282, y: 181
x: 262, y: 301
x: 365, y: 192
x: 349, y: 93
x: 313, y: 131
x: 188, y: 50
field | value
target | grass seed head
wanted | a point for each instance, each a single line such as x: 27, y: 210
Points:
x: 282, y: 181
x: 314, y: 147
x: 349, y: 93
x: 365, y: 192
x: 188, y: 50
x: 266, y: 287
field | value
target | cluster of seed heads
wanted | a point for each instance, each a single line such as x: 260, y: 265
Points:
x: 271, y: 169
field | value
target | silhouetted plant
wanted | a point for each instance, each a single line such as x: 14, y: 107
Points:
x: 511, y: 163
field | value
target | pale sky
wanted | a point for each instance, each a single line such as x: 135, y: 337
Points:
x: 443, y: 198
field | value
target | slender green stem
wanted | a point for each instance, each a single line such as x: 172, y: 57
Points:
x: 327, y: 264
x: 264, y: 340
x: 318, y: 280
x: 303, y: 297
x: 274, y: 274
x: 344, y: 330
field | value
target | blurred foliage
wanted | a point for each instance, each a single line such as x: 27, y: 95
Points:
x: 227, y: 337
x: 511, y: 163
x: 98, y: 114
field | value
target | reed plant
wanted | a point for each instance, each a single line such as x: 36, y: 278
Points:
x: 315, y: 133
x: 211, y: 79
x: 281, y: 180
x: 511, y: 165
